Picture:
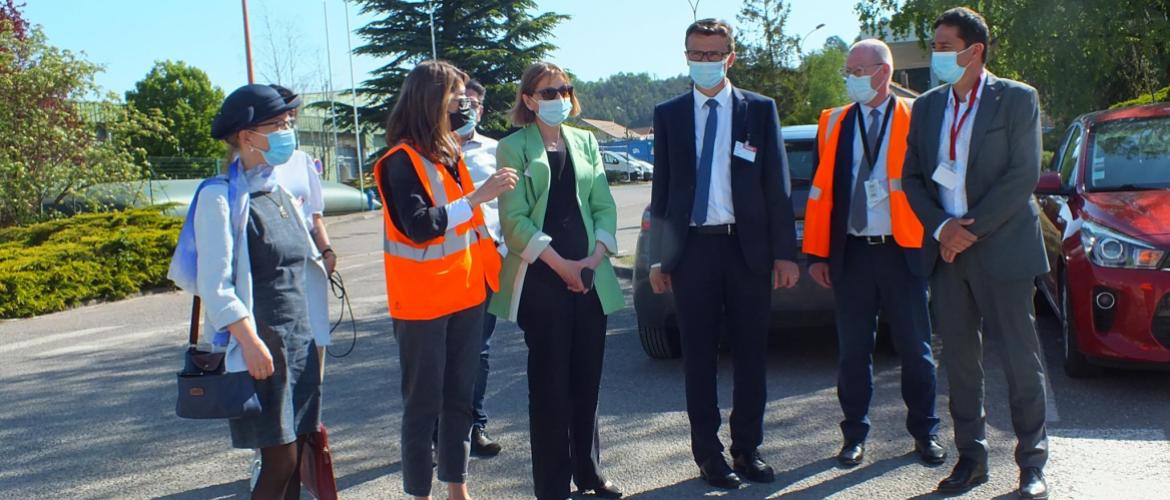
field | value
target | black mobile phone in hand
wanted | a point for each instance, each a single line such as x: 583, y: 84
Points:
x: 587, y: 278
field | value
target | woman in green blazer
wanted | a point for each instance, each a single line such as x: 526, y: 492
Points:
x: 557, y: 282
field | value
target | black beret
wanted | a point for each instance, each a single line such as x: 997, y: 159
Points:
x: 248, y: 106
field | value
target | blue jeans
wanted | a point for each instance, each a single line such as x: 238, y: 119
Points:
x: 489, y: 326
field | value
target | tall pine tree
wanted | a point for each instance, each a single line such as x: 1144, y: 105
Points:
x: 492, y: 40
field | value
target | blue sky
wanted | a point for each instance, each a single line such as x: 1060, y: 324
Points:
x: 602, y: 38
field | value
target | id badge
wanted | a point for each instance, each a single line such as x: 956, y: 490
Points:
x: 946, y: 176
x: 745, y: 151
x: 875, y: 192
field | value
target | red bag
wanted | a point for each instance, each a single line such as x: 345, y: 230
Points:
x: 317, y: 466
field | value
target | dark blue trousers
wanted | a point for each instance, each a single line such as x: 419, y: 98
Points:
x: 877, y: 280
x: 714, y: 288
x: 489, y: 326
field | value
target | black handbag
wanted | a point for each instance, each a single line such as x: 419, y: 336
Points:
x: 206, y: 390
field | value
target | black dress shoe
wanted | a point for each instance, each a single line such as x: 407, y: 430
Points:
x: 752, y: 466
x: 1032, y: 484
x: 482, y: 444
x: 716, y: 472
x: 930, y: 451
x: 852, y: 453
x: 967, y: 474
x: 605, y: 490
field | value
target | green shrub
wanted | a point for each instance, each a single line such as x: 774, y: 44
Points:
x: 1162, y: 95
x: 55, y: 265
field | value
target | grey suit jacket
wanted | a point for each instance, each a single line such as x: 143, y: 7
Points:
x: 1002, y: 170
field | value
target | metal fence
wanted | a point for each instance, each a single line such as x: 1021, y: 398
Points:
x: 172, y: 167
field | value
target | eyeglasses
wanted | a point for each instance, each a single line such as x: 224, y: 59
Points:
x: 475, y: 103
x: 845, y: 72
x: 286, y: 124
x: 706, y: 55
x: 550, y: 93
x: 462, y: 102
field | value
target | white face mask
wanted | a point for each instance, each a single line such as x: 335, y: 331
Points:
x: 860, y: 88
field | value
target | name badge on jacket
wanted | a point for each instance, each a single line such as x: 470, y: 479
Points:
x: 745, y: 151
x: 946, y: 176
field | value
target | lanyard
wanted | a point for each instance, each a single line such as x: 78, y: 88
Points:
x: 957, y: 122
x: 871, y: 157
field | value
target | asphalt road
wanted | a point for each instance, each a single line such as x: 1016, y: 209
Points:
x: 86, y: 410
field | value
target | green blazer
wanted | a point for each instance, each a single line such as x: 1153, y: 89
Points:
x: 522, y: 213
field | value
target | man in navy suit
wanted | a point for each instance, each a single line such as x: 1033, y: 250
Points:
x: 864, y: 242
x: 722, y: 238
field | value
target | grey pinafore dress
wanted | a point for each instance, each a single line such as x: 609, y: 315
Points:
x: 291, y: 398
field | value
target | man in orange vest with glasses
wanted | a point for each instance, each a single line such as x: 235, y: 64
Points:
x: 864, y: 241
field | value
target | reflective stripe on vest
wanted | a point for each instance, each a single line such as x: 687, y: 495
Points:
x: 451, y: 243
x: 907, y: 229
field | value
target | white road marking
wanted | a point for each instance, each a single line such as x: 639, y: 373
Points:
x: 56, y: 337
x: 115, y: 340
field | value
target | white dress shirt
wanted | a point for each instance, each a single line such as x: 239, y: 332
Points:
x: 719, y: 205
x: 877, y: 216
x: 479, y: 153
x: 954, y: 201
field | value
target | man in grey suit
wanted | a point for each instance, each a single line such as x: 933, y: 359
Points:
x: 972, y: 162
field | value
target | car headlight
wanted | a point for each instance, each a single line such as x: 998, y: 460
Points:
x: 1108, y: 248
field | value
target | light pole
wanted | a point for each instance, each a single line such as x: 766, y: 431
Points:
x: 800, y: 46
x: 357, y: 129
x: 247, y: 43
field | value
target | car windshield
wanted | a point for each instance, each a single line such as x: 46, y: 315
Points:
x: 802, y: 161
x: 1130, y: 155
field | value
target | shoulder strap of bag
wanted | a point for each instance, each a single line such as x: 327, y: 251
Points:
x: 193, y: 333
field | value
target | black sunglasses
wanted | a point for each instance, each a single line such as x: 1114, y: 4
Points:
x: 551, y: 93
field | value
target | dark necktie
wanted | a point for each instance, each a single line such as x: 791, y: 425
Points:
x: 703, y: 176
x: 859, y: 207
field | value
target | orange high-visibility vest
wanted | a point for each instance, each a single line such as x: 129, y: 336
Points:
x: 444, y: 275
x: 818, y: 213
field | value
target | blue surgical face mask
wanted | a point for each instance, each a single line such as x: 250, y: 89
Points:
x: 707, y: 75
x: 945, y: 66
x: 860, y: 88
x: 555, y: 111
x: 281, y: 145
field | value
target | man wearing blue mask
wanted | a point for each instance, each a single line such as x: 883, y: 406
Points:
x: 864, y: 242
x: 972, y: 161
x: 479, y: 153
x: 722, y: 238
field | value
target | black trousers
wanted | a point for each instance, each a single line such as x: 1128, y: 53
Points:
x: 713, y: 287
x: 565, y: 334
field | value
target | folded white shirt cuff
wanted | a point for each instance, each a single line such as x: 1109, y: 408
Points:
x: 938, y: 232
x: 458, y: 212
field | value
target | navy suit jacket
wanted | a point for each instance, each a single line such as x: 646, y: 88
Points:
x: 843, y: 183
x: 760, y: 189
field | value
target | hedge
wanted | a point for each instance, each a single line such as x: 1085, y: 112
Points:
x: 59, y: 264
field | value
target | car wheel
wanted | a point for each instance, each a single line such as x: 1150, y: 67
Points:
x: 625, y: 177
x: 660, y: 342
x: 1076, y: 365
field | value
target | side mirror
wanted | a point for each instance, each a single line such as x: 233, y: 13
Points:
x: 1050, y: 184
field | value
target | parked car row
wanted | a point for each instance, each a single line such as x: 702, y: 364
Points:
x: 1105, y: 202
x: 620, y: 166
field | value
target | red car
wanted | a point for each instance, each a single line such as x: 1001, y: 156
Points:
x: 1106, y: 224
